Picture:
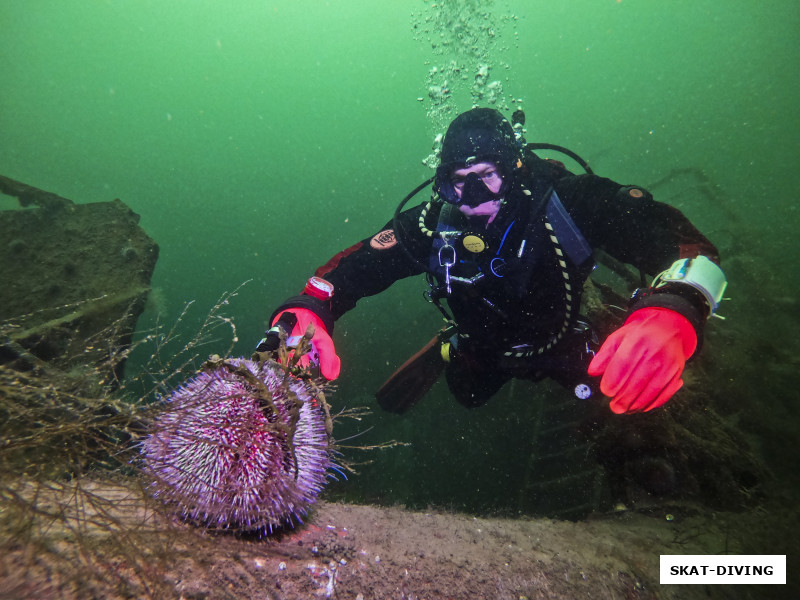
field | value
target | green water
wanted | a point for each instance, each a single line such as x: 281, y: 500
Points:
x: 258, y: 138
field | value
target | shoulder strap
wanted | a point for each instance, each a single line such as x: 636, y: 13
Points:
x: 567, y: 232
x: 450, y: 219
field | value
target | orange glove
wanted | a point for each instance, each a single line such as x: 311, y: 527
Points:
x: 641, y: 363
x: 323, y: 350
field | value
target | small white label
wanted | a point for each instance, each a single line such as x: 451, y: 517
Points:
x: 723, y: 568
x: 583, y: 391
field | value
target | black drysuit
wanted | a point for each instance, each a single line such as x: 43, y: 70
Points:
x: 515, y: 286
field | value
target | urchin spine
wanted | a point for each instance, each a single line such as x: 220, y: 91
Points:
x: 240, y: 445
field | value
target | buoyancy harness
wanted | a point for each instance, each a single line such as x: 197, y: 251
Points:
x: 462, y: 258
x: 450, y: 238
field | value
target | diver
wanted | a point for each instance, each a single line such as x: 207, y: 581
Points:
x: 507, y: 241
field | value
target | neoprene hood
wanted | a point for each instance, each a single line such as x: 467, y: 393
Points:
x: 480, y: 134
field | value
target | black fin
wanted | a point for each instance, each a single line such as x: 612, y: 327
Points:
x: 412, y: 380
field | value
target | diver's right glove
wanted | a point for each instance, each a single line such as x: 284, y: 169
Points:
x: 323, y: 351
x: 292, y: 319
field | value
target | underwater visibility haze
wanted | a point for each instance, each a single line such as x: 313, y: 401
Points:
x: 258, y: 138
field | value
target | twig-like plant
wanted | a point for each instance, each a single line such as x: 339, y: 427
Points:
x: 75, y: 517
x: 100, y: 494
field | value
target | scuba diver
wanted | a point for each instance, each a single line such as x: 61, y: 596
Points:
x: 507, y: 241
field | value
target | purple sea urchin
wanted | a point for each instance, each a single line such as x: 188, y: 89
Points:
x: 240, y: 445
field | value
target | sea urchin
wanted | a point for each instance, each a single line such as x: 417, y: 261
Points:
x: 240, y: 445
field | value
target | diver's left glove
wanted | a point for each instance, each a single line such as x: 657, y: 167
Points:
x: 642, y: 362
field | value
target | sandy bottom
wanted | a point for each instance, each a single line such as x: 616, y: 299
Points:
x: 365, y: 552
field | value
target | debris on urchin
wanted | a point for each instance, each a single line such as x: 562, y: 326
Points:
x: 240, y: 445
